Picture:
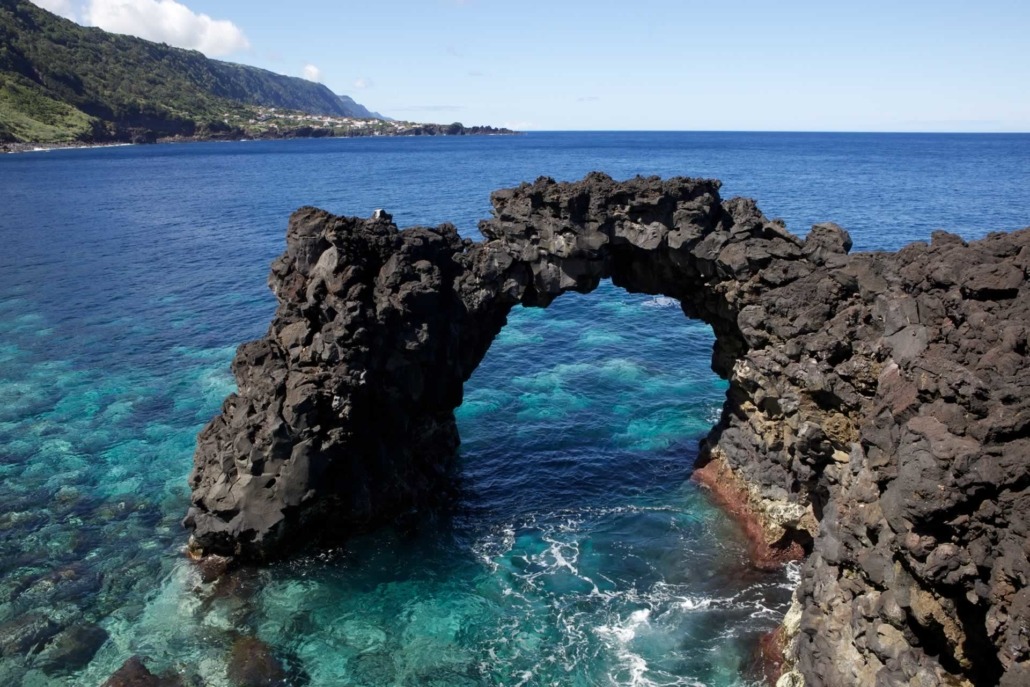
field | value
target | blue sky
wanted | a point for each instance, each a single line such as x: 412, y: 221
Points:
x: 645, y: 64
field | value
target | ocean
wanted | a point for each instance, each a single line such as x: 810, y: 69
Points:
x: 578, y: 552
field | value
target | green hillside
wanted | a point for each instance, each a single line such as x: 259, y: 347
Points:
x: 63, y: 82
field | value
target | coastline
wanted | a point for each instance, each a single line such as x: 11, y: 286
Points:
x: 424, y: 130
x: 13, y: 148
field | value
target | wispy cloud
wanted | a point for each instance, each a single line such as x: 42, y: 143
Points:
x: 476, y: 74
x: 587, y: 99
x: 167, y: 21
x: 363, y: 82
x: 65, y: 8
x: 312, y: 73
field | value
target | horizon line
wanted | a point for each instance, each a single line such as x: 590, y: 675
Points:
x: 765, y: 131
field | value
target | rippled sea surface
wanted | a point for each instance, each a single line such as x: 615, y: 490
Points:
x: 579, y: 553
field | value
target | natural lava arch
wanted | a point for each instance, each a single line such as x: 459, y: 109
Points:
x: 344, y: 414
x: 841, y: 402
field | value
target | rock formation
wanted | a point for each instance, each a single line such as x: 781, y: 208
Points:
x: 877, y: 420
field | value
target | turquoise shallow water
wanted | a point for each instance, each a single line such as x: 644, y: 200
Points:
x: 578, y: 552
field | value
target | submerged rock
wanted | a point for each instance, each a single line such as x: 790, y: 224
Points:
x: 72, y: 649
x: 134, y: 673
x: 27, y: 634
x: 877, y: 418
x: 252, y: 663
x: 213, y: 567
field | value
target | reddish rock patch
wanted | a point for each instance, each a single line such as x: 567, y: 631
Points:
x: 730, y: 495
x: 770, y: 655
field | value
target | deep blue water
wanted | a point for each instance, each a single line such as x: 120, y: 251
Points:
x: 579, y: 554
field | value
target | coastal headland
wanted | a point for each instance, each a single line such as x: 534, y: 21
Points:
x: 63, y: 85
x: 318, y: 127
x: 876, y: 425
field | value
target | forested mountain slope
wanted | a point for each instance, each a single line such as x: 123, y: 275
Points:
x: 63, y: 82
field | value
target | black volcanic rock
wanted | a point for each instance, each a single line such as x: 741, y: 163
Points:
x: 455, y: 129
x: 877, y: 419
x: 339, y: 379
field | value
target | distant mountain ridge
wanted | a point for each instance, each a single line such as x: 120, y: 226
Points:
x: 359, y: 111
x: 63, y: 82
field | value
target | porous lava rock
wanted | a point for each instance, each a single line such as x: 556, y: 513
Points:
x: 877, y: 419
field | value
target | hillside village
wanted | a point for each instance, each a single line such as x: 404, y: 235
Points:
x: 271, y: 122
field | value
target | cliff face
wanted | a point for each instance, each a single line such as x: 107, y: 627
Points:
x: 877, y: 418
x: 890, y: 390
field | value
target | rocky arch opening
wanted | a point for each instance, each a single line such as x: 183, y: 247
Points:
x: 595, y: 398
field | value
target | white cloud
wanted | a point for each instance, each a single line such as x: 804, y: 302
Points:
x: 167, y: 21
x: 65, y: 8
x: 312, y: 73
x: 363, y: 82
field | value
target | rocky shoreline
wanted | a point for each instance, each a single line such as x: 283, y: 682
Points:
x: 13, y: 148
x: 877, y: 421
x: 303, y: 132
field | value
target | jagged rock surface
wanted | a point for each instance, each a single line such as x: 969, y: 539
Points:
x: 877, y: 418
